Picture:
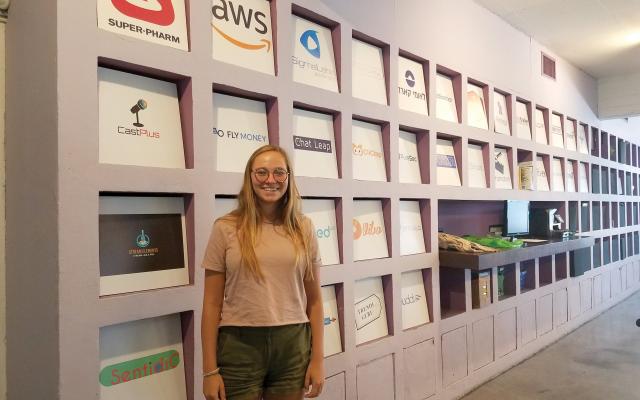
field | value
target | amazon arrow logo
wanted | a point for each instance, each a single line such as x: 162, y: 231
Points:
x: 243, y: 17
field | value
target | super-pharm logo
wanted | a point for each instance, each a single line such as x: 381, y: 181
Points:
x: 127, y: 371
x: 159, y: 12
x: 243, y: 17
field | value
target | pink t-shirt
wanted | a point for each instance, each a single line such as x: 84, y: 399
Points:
x: 280, y: 298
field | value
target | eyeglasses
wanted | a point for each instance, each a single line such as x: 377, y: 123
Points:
x: 262, y: 174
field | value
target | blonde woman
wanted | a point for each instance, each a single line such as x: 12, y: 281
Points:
x: 262, y: 318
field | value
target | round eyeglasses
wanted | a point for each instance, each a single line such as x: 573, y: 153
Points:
x: 262, y: 174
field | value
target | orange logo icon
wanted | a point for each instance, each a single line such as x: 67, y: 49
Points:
x: 357, y: 230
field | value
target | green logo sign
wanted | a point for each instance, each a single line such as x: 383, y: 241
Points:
x: 139, y: 368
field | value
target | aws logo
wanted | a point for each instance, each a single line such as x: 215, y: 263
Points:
x: 158, y: 12
x: 365, y: 229
x: 244, y: 17
x: 309, y: 40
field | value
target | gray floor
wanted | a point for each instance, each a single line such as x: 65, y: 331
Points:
x: 599, y: 361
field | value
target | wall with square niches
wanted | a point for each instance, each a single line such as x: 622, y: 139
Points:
x: 60, y: 321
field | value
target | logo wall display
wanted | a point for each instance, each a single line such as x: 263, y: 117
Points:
x: 477, y: 176
x: 571, y: 179
x: 502, y: 169
x: 558, y: 178
x: 409, y: 171
x: 523, y: 128
x: 447, y: 165
x: 369, y: 235
x: 540, y: 127
x: 414, y: 300
x: 312, y: 56
x: 557, y: 138
x: 411, y: 235
x: 139, y: 121
x: 370, y: 312
x: 314, y: 144
x: 157, y: 21
x: 367, y: 152
x: 367, y: 71
x: 412, y: 93
x: 476, y: 112
x: 242, y: 34
x: 152, y: 368
x: 542, y: 182
x: 332, y: 341
x: 142, y: 243
x: 446, y: 108
x: 500, y: 117
x: 583, y: 144
x: 239, y: 128
x: 571, y: 135
x: 322, y: 213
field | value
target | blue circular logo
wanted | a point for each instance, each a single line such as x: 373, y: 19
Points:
x: 142, y: 240
x: 309, y: 40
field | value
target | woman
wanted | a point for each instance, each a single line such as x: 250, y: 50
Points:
x: 262, y: 318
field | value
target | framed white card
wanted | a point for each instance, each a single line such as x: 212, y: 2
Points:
x: 142, y: 359
x: 571, y: 179
x: 409, y: 166
x: 239, y: 128
x: 412, y: 92
x: 523, y: 127
x: 138, y: 121
x: 369, y: 235
x: 500, y: 114
x: 414, y: 300
x: 312, y: 55
x: 242, y: 34
x: 447, y: 165
x: 367, y: 72
x: 369, y: 310
x: 476, y: 112
x: 314, y: 148
x: 583, y: 182
x: 332, y: 341
x: 142, y: 243
x: 583, y: 143
x: 446, y: 108
x: 525, y: 175
x: 411, y: 235
x: 223, y: 206
x: 158, y: 21
x: 322, y: 213
x: 542, y: 182
x: 570, y: 130
x: 367, y: 152
x: 557, y: 183
x: 619, y: 183
x: 541, y: 129
x: 502, y: 168
x: 557, y: 138
x: 477, y: 176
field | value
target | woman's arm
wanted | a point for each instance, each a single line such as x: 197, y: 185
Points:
x: 315, y: 371
x: 213, y: 387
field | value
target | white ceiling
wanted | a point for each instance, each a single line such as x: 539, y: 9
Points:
x: 601, y: 37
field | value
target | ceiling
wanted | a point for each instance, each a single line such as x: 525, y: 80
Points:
x: 601, y: 37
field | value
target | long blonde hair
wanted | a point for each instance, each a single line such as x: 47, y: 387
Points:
x: 248, y: 218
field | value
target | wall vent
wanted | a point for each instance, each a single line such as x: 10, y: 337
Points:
x: 548, y: 66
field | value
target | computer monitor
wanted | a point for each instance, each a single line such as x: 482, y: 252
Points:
x: 516, y: 218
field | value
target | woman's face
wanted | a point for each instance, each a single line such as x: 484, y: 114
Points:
x: 267, y: 170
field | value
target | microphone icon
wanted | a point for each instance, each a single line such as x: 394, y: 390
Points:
x: 140, y: 105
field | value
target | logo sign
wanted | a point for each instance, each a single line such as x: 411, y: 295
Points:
x: 368, y: 310
x: 447, y: 161
x: 312, y: 55
x: 242, y: 33
x: 139, y: 368
x: 157, y: 21
x: 142, y: 240
x: 312, y: 144
x: 365, y: 229
x: 309, y: 40
x: 409, y: 78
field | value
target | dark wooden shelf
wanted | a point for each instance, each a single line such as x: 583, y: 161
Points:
x: 481, y: 261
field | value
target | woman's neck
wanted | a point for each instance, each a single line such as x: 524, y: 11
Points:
x: 269, y: 212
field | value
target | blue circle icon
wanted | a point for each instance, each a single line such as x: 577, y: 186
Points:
x: 309, y: 40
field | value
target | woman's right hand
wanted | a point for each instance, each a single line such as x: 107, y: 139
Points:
x: 213, y: 387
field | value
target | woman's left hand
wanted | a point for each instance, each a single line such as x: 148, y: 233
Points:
x: 314, y: 379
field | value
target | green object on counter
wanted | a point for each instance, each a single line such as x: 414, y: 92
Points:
x: 495, y: 242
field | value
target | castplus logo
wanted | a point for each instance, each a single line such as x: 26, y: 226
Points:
x: 241, y: 16
x: 365, y: 229
x: 159, y: 12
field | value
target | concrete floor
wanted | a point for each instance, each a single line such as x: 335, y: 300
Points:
x: 598, y: 361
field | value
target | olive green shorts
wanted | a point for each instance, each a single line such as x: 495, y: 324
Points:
x: 263, y: 359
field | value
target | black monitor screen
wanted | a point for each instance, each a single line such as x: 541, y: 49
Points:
x: 516, y: 217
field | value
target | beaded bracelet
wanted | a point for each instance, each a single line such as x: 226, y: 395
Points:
x: 214, y: 372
